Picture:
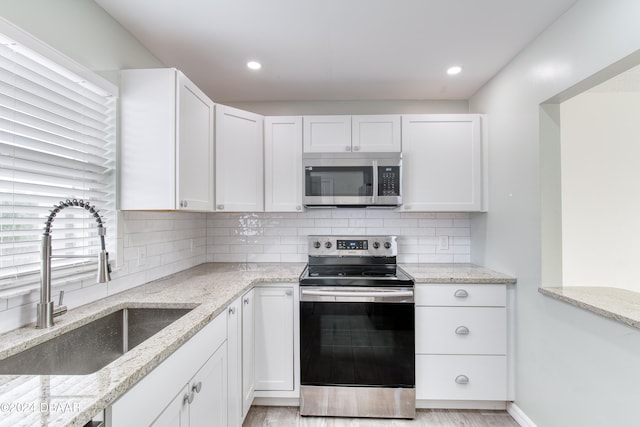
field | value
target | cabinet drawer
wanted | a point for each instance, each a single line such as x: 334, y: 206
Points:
x: 461, y: 377
x: 461, y: 295
x: 461, y: 330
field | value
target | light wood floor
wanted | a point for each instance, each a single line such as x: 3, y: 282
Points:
x: 288, y: 416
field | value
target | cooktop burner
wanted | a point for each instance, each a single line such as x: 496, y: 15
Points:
x: 353, y: 261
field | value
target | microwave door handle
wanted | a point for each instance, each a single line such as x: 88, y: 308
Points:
x: 374, y: 192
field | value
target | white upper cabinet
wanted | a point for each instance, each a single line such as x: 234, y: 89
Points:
x: 283, y: 164
x: 379, y: 133
x: 166, y: 152
x: 239, y: 160
x: 327, y: 134
x: 442, y: 162
x: 345, y: 134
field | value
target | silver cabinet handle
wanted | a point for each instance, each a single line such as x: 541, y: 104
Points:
x: 288, y: 292
x: 356, y: 148
x: 462, y: 379
x: 188, y: 398
x: 246, y: 300
x: 221, y: 207
x: 347, y: 148
x: 197, y: 387
x: 462, y: 330
x: 298, y: 208
x: 232, y: 310
x: 461, y: 293
x: 186, y: 203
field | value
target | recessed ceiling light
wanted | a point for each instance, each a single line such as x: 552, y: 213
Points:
x: 452, y: 71
x: 254, y: 65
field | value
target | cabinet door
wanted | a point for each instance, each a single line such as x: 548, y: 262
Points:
x: 234, y: 364
x: 177, y: 413
x: 274, y: 341
x: 209, y: 388
x: 283, y: 164
x: 194, y: 147
x: 239, y: 160
x: 327, y: 134
x: 248, y: 351
x: 441, y: 162
x: 147, y: 139
x: 379, y: 133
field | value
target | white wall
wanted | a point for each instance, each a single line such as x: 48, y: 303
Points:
x: 600, y: 197
x: 573, y: 368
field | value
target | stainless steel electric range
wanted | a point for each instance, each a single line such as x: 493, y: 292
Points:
x: 357, y: 335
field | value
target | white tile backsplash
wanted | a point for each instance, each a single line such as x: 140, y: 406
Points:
x: 175, y: 241
x: 243, y: 237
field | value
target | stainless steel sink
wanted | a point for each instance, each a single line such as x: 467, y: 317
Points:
x: 90, y: 347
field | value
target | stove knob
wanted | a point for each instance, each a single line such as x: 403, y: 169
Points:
x: 387, y: 245
x: 316, y: 245
x: 376, y: 245
x: 327, y: 245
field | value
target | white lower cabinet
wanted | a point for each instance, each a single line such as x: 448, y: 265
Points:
x: 274, y: 338
x: 461, y: 342
x: 461, y: 377
x: 188, y: 389
x: 248, y: 351
x: 203, y: 401
x: 234, y: 365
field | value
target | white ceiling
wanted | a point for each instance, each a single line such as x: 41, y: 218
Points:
x: 336, y: 49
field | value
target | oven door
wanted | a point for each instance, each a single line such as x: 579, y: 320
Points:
x: 357, y: 337
x: 357, y: 352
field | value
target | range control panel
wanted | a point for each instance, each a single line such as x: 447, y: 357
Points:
x: 353, y: 245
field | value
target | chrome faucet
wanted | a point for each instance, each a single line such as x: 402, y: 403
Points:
x: 45, y: 309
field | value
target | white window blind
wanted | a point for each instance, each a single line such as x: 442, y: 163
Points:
x: 57, y: 142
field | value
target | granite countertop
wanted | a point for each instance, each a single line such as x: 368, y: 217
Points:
x: 456, y: 273
x: 616, y: 304
x: 72, y: 400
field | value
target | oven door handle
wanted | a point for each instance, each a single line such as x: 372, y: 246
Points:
x: 380, y: 296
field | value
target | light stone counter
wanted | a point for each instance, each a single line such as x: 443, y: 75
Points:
x: 616, y: 304
x: 456, y: 273
x: 72, y: 400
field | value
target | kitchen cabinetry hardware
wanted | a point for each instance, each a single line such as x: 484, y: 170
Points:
x: 220, y: 207
x: 197, y: 387
x: 246, y: 300
x: 185, y: 399
x: 232, y: 310
x: 462, y: 330
x: 461, y: 293
x: 288, y: 292
x: 462, y: 379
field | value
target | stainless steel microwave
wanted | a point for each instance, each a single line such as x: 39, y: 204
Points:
x: 352, y: 179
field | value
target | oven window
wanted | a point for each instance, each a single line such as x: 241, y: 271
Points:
x: 357, y: 344
x: 353, y: 181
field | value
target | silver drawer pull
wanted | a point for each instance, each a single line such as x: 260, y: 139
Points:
x: 461, y: 293
x: 462, y: 379
x: 462, y: 330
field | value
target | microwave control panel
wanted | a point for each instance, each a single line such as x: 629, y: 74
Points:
x: 388, y: 181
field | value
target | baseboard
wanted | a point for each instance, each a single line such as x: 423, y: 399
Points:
x: 276, y: 401
x: 518, y: 415
x: 461, y: 404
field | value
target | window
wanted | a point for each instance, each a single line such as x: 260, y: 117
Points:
x: 57, y: 142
